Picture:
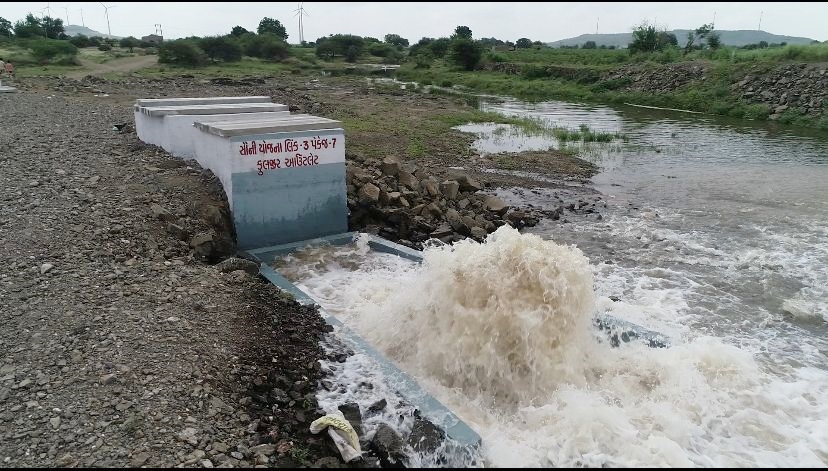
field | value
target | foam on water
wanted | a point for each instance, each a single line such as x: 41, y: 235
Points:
x: 501, y: 333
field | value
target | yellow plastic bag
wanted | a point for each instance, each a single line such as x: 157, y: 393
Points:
x: 343, y: 434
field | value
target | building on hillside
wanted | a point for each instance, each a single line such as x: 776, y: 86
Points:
x: 153, y: 39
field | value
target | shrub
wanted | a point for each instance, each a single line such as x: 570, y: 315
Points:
x: 104, y: 47
x: 181, y: 52
x: 267, y: 46
x: 46, y: 50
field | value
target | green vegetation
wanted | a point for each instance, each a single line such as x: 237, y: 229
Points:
x: 526, y: 69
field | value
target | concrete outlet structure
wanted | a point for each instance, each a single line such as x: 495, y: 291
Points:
x: 284, y: 177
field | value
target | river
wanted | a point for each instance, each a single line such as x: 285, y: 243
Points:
x: 715, y: 234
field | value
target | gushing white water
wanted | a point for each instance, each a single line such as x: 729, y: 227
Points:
x: 501, y: 333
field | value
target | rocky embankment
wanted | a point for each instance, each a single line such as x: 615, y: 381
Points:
x: 803, y: 87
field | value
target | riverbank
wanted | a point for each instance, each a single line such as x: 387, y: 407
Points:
x: 126, y: 344
x: 785, y: 92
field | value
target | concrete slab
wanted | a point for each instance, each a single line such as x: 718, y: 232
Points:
x: 179, y: 132
x: 212, y: 109
x: 7, y: 89
x: 202, y: 100
x: 286, y: 124
x: 149, y: 120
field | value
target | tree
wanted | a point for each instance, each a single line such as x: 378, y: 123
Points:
x: 714, y: 41
x: 29, y: 27
x: 763, y: 44
x: 589, y: 45
x: 351, y: 54
x: 129, y: 42
x: 269, y: 25
x: 52, y: 26
x: 238, y: 31
x: 396, y: 40
x: 700, y: 33
x: 523, y: 43
x: 647, y: 38
x: 463, y: 32
x: 439, y: 47
x: 465, y: 52
x: 224, y: 48
x: 340, y: 45
x: 5, y: 27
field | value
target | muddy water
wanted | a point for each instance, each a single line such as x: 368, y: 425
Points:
x: 715, y: 234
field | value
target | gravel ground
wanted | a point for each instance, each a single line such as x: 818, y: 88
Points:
x: 121, y: 346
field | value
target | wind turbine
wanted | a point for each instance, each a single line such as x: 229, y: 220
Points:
x: 67, y: 15
x: 82, y: 22
x: 300, y: 10
x: 106, y: 12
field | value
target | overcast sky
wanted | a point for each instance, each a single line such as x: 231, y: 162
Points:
x: 413, y: 20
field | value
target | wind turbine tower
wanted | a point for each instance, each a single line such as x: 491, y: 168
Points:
x: 106, y: 12
x: 300, y: 11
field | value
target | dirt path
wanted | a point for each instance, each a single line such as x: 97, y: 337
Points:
x: 123, y: 64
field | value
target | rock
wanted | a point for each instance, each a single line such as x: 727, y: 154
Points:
x: 233, y: 264
x: 352, y: 413
x: 265, y: 449
x: 178, y: 232
x: 442, y: 231
x: 24, y: 384
x: 496, y: 205
x: 368, y: 193
x: 425, y: 437
x: 328, y: 462
x: 479, y: 233
x: 159, y: 212
x: 469, y: 184
x: 200, y: 239
x: 450, y: 188
x: 388, y: 446
x: 408, y: 180
x: 188, y: 435
x: 139, y: 459
x: 430, y: 187
x: 45, y: 268
x: 390, y: 166
x: 55, y: 421
x: 206, y: 464
x: 65, y: 460
x: 454, y: 219
x: 377, y: 407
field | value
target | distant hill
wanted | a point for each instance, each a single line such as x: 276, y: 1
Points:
x: 76, y: 30
x: 729, y: 38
